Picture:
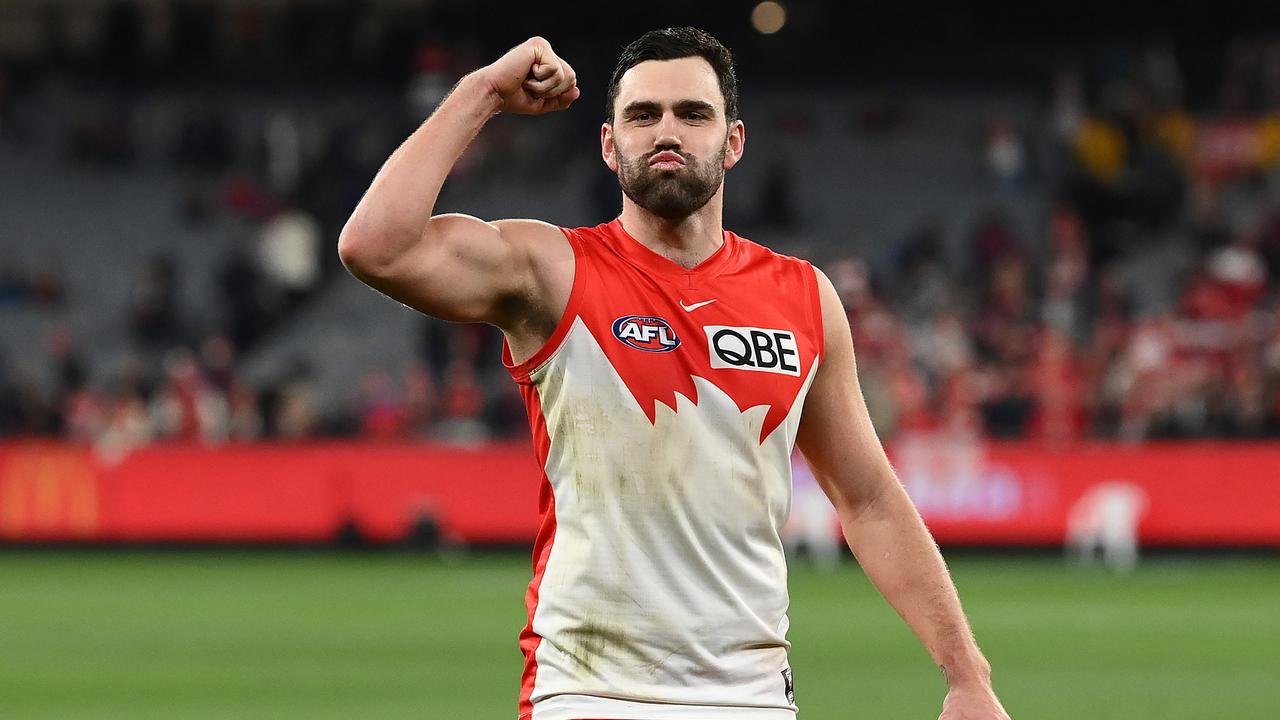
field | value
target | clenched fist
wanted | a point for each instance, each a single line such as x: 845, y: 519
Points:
x: 531, y: 79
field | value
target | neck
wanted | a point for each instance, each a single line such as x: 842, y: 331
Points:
x: 686, y: 241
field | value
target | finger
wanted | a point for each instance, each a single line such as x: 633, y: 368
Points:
x: 547, y: 86
x: 543, y: 70
x: 540, y: 89
x: 568, y: 97
x: 564, y: 99
x: 562, y: 80
x: 568, y: 80
x: 561, y: 88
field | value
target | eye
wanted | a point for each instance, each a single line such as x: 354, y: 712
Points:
x: 696, y: 116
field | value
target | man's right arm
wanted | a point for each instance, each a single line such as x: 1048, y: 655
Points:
x: 457, y: 267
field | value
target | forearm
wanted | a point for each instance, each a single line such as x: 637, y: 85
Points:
x: 395, y: 210
x: 899, y: 556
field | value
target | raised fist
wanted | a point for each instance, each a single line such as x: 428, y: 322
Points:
x: 531, y: 79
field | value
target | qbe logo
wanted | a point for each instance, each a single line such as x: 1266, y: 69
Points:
x: 643, y: 332
x: 750, y: 348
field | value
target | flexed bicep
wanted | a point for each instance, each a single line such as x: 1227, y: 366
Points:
x: 469, y: 270
x: 459, y: 267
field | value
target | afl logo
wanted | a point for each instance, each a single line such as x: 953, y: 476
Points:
x: 642, y: 332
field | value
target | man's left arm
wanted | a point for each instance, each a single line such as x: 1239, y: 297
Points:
x: 881, y: 524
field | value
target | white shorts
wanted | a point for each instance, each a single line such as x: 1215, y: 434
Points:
x: 585, y: 707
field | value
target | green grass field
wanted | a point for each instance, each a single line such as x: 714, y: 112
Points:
x: 303, y: 635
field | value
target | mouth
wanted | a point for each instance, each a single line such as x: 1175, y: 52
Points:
x: 666, y: 160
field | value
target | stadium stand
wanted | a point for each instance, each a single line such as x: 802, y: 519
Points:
x: 1085, y: 253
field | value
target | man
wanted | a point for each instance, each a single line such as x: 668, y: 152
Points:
x: 668, y: 367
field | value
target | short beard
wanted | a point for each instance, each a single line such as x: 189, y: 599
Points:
x: 671, y: 195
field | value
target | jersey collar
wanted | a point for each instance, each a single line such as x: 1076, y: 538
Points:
x: 661, y: 266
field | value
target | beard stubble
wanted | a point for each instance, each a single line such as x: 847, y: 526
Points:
x: 671, y: 194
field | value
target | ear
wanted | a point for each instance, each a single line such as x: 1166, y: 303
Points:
x: 606, y: 147
x: 736, y: 141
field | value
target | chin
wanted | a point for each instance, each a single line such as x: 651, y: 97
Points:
x: 673, y: 211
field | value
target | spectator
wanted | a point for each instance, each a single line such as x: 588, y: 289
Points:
x: 250, y: 307
x: 1059, y: 415
x: 125, y: 425
x: 187, y: 408
x: 153, y: 308
x: 288, y: 254
x: 382, y: 413
x: 1006, y: 154
x: 461, y: 404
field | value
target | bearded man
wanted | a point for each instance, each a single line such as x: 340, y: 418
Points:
x: 668, y: 367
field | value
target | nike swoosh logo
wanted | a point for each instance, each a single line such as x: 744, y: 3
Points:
x: 695, y: 306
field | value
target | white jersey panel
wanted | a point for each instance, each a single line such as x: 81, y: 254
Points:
x: 666, y: 581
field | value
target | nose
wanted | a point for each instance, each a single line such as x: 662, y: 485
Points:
x: 668, y: 138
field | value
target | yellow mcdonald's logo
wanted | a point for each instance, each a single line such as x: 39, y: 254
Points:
x: 48, y: 491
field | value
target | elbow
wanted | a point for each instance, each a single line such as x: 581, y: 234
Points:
x: 352, y: 249
x: 377, y: 256
x: 364, y: 252
x: 868, y: 499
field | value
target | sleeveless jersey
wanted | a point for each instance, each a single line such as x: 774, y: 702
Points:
x: 664, y: 409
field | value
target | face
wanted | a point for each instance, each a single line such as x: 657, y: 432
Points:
x: 669, y: 141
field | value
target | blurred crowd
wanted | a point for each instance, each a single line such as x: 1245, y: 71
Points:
x: 1058, y: 349
x: 1143, y: 305
x: 234, y: 101
x: 1146, y: 308
x: 197, y: 396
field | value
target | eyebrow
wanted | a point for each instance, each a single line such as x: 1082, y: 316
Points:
x: 685, y: 105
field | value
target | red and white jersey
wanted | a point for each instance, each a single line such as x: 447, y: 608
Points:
x: 664, y: 409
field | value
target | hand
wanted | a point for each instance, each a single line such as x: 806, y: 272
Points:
x: 531, y: 79
x: 972, y: 703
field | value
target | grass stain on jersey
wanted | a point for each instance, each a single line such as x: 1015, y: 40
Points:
x: 585, y: 643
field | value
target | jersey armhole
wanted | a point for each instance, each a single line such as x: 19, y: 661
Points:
x: 522, y: 371
x: 815, y: 310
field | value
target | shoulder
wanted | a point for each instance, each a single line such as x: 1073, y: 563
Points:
x: 754, y: 253
x: 535, y: 234
x: 546, y: 257
x: 794, y: 278
x: 541, y: 244
x: 778, y: 268
x: 538, y: 235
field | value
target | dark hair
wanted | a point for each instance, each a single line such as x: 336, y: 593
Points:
x: 673, y: 44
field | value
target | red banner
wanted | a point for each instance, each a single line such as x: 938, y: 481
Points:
x: 1177, y: 494
x: 252, y: 493
x: 1200, y: 494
